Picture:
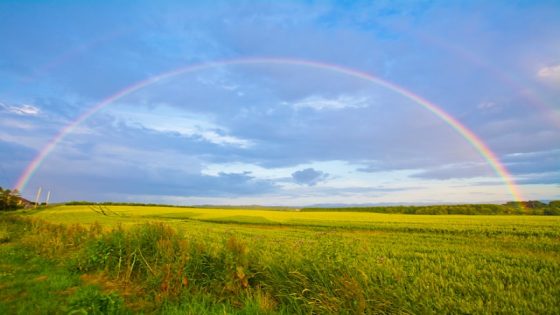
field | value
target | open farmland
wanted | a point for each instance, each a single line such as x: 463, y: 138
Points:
x: 200, y: 260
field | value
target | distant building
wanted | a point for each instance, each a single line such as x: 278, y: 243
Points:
x: 25, y: 203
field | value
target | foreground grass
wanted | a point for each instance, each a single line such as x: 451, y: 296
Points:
x: 254, y: 261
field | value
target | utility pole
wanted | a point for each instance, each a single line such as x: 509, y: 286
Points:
x: 48, y: 197
x: 38, y: 196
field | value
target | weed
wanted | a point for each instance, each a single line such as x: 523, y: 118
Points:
x: 90, y: 300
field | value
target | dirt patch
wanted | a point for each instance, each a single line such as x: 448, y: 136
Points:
x: 101, y: 280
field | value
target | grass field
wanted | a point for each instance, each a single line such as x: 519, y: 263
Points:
x: 127, y: 259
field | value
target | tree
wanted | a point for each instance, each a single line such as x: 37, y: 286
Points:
x: 553, y: 208
x: 10, y: 200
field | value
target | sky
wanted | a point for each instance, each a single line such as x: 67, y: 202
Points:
x: 288, y: 103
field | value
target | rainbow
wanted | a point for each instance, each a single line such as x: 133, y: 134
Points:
x: 503, y: 77
x: 498, y: 74
x: 462, y: 130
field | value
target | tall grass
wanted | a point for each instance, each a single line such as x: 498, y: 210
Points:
x: 329, y: 269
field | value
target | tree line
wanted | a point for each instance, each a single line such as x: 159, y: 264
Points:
x: 11, y: 200
x: 532, y: 207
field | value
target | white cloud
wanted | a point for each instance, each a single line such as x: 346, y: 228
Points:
x: 24, y: 109
x: 551, y: 73
x: 167, y: 119
x: 486, y: 105
x: 217, y: 138
x: 317, y: 102
x: 210, y: 133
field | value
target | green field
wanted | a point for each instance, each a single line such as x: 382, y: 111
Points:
x: 128, y: 259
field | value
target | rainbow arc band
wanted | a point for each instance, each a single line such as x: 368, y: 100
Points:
x: 462, y: 130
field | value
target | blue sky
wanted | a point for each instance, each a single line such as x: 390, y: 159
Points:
x: 281, y: 133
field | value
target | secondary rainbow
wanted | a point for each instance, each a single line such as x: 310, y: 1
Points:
x: 467, y: 134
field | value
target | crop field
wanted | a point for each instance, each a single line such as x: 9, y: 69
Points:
x: 129, y: 259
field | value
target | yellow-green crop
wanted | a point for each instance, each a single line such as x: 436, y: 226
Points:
x: 258, y: 261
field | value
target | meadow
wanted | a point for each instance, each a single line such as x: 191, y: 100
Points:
x: 127, y: 259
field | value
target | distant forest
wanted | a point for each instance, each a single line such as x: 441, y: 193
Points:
x: 532, y: 207
x: 11, y: 200
x: 513, y: 207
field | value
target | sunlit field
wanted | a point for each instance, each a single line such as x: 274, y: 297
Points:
x: 183, y: 218
x: 126, y: 259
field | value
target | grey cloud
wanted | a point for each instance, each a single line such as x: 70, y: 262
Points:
x: 549, y: 178
x: 533, y: 162
x: 469, y: 170
x: 138, y: 180
x: 539, y: 179
x: 531, y: 167
x: 309, y: 176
